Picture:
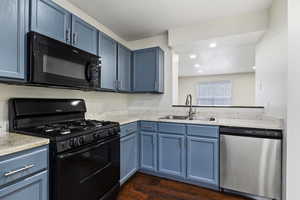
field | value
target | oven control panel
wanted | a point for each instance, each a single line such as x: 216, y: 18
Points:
x: 82, y: 140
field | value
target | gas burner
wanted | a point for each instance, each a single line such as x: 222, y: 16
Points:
x: 54, y: 129
x: 65, y: 131
x: 94, y: 123
x: 79, y: 123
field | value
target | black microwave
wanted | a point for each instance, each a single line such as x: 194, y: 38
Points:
x: 55, y: 63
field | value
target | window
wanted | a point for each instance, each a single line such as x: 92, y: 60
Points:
x: 214, y: 93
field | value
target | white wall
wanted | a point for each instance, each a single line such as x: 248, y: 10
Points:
x: 293, y: 109
x: 175, y: 75
x: 271, y: 70
x: 243, y: 87
x: 271, y: 63
x: 154, y: 101
x: 220, y: 27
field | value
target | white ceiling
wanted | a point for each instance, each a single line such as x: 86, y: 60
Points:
x: 136, y: 19
x: 234, y: 54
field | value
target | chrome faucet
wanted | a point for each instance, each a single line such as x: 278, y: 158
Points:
x: 189, y: 102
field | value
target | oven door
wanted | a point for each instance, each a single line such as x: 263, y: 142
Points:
x: 88, y: 173
x: 55, y: 63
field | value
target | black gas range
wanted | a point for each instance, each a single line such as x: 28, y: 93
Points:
x: 84, y: 154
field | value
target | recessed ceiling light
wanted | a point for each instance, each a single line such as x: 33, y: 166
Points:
x: 200, y: 71
x: 197, y: 65
x: 254, y: 67
x: 213, y: 45
x: 193, y: 56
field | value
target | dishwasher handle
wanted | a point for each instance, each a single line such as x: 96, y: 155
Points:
x: 251, y: 132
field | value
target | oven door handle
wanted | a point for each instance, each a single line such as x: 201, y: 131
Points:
x: 88, y: 72
x: 66, y: 155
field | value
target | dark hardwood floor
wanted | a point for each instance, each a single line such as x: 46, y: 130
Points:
x: 145, y: 187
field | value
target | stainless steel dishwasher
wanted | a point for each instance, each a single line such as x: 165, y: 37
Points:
x: 251, y: 161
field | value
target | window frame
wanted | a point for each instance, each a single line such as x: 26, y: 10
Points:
x: 214, y: 97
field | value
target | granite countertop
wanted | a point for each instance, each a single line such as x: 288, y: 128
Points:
x: 246, y: 123
x: 12, y: 143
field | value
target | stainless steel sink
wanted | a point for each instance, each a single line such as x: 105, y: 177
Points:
x: 176, y: 117
x: 179, y: 117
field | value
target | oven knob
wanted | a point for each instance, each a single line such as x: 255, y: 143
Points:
x: 81, y: 141
x: 72, y: 143
x: 95, y: 136
x: 75, y: 142
x: 117, y: 130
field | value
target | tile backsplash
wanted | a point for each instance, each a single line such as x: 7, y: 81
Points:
x: 102, y: 104
x: 97, y: 102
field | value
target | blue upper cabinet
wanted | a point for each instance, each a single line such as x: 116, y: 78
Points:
x: 84, y: 36
x: 148, y: 70
x: 108, y: 53
x: 171, y: 155
x: 160, y: 87
x: 203, y: 160
x: 14, y: 26
x: 124, y: 69
x: 51, y: 20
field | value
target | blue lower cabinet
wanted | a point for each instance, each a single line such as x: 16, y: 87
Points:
x: 171, y: 155
x: 129, y: 156
x: 203, y: 160
x: 148, y: 152
x: 32, y: 188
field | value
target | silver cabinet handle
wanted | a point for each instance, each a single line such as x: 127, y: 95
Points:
x: 75, y: 38
x: 18, y: 170
x: 68, y: 35
x: 129, y: 130
x: 147, y: 127
x: 120, y: 85
x: 116, y: 84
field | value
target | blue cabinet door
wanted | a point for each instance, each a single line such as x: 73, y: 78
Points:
x: 108, y: 53
x: 124, y: 68
x: 144, y: 66
x: 171, y: 155
x: 84, y: 36
x: 148, y: 154
x: 203, y: 160
x: 160, y: 71
x: 51, y: 20
x: 148, y: 66
x: 129, y: 156
x: 32, y: 188
x: 14, y: 26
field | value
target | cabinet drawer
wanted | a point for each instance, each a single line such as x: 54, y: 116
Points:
x: 172, y: 128
x: 22, y: 164
x: 148, y: 126
x: 128, y: 129
x: 203, y: 131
